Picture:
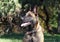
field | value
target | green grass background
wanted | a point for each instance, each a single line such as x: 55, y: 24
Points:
x: 19, y: 37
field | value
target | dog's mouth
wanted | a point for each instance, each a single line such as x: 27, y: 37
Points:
x: 25, y: 24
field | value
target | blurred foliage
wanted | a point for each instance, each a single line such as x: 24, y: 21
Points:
x: 7, y: 6
x: 52, y: 7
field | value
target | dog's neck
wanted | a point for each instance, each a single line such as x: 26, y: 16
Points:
x: 37, y: 26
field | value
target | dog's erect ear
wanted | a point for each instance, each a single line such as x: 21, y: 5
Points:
x: 35, y: 10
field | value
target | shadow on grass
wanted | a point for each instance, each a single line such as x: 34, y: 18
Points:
x: 12, y: 36
x: 54, y: 30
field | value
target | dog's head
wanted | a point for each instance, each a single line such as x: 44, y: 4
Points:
x: 28, y: 20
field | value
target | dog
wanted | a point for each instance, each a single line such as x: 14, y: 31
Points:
x: 34, y: 32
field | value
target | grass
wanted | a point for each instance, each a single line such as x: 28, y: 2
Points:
x: 19, y: 37
x: 11, y: 38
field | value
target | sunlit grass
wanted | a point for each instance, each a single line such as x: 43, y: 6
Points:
x: 10, y: 40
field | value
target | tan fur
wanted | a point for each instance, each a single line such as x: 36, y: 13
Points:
x: 39, y: 33
x: 37, y: 27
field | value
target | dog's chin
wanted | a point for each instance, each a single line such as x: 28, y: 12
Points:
x: 25, y: 24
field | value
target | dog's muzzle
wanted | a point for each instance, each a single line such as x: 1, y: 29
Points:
x: 25, y: 24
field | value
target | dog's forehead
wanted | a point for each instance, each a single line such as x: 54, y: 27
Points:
x: 28, y: 18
